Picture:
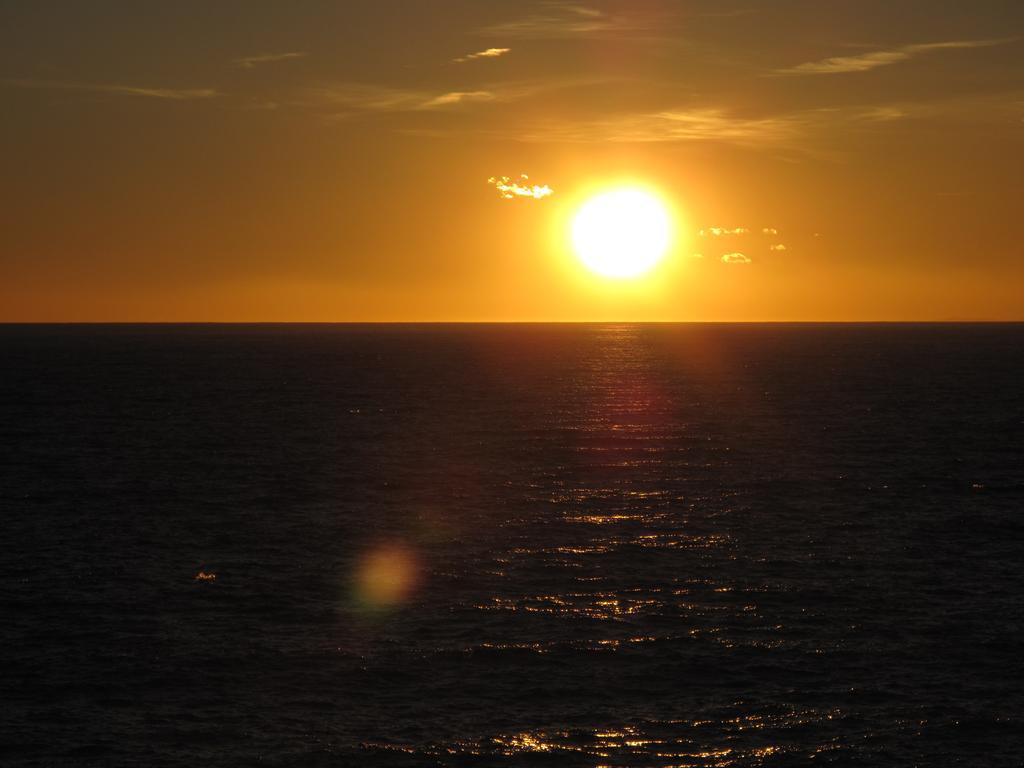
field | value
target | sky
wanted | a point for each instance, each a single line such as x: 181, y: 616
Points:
x: 249, y: 160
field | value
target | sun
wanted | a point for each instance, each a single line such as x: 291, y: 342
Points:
x: 623, y: 233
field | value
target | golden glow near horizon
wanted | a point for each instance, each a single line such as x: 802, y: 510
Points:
x: 623, y: 233
x: 329, y: 164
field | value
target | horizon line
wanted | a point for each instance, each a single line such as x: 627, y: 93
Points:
x: 1019, y: 321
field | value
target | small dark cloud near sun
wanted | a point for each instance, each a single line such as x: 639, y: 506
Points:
x: 510, y: 188
x: 719, y: 231
x: 752, y: 238
x: 735, y: 258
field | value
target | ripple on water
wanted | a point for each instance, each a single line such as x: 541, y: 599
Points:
x: 751, y: 739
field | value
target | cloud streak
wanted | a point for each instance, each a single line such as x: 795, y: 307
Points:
x: 567, y: 20
x: 457, y: 97
x: 361, y: 97
x: 249, y: 62
x: 172, y: 94
x: 710, y: 124
x: 714, y: 125
x: 350, y: 98
x: 489, y: 53
x: 873, y: 59
x: 510, y: 189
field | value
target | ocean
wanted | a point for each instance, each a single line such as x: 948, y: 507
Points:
x: 512, y: 545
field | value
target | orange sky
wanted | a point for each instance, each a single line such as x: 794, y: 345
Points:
x: 323, y: 161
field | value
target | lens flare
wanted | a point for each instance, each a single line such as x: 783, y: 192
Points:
x: 386, y: 576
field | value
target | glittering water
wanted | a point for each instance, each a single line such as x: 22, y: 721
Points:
x: 512, y: 545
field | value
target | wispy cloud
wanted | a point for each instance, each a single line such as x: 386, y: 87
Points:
x: 510, y: 189
x: 710, y: 124
x: 248, y: 62
x: 174, y: 94
x: 873, y: 59
x: 735, y: 258
x: 489, y: 53
x: 566, y: 19
x: 350, y: 98
x: 457, y: 97
x: 789, y: 131
x: 777, y: 247
x: 361, y: 97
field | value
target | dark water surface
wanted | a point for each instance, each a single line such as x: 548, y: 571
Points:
x: 512, y: 545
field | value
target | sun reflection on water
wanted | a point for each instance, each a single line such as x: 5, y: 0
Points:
x: 609, y: 553
x: 665, y: 744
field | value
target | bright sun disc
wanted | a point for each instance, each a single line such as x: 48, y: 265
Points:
x: 623, y: 233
